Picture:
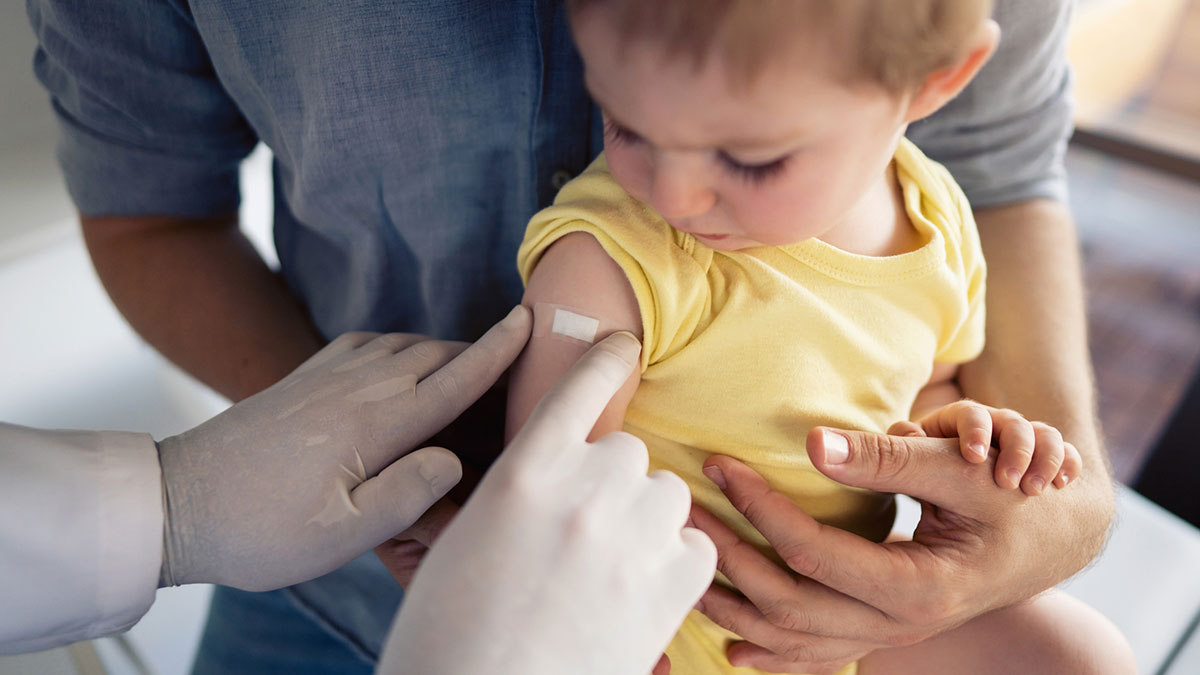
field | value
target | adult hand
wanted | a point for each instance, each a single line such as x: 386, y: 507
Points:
x: 568, y: 558
x: 974, y: 550
x: 301, y: 478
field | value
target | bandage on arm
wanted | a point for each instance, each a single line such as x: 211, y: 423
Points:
x: 578, y: 295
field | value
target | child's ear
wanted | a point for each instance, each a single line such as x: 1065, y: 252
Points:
x: 944, y: 84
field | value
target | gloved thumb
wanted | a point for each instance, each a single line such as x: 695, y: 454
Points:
x: 398, y: 495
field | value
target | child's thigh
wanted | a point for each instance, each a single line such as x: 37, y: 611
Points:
x: 1054, y: 633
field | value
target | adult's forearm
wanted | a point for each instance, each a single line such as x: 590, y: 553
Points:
x: 1036, y: 360
x: 200, y: 294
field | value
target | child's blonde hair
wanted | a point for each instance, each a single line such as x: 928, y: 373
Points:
x: 894, y: 43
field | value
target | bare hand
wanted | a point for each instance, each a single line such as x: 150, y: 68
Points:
x: 973, y: 551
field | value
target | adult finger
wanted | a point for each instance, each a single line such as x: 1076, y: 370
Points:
x: 840, y: 568
x: 346, y: 342
x: 750, y: 655
x: 458, y: 384
x: 401, y: 494
x: 740, y: 616
x: 570, y: 409
x: 399, y: 412
x: 924, y: 468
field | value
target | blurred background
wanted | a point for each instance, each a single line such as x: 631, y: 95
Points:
x: 70, y: 361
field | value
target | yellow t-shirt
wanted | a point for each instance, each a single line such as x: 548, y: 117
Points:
x: 745, y: 351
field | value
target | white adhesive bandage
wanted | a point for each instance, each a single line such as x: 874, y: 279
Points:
x: 564, y: 323
x: 574, y: 325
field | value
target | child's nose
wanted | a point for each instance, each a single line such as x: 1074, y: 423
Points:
x: 679, y: 191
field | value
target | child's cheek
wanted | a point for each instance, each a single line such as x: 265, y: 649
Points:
x: 630, y: 169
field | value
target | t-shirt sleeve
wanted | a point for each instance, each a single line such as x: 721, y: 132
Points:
x: 1004, y: 137
x: 963, y: 340
x: 146, y: 127
x: 666, y: 272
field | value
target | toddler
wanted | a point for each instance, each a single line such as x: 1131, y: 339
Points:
x: 787, y: 258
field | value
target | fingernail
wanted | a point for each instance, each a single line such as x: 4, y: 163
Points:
x: 714, y: 474
x: 625, y: 345
x: 837, y: 448
x: 1014, y: 477
x: 1039, y: 484
x: 979, y: 450
x: 1065, y: 479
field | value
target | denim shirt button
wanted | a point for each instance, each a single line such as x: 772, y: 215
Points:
x: 560, y: 178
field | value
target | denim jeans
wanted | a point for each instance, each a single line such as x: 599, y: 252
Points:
x: 335, y: 624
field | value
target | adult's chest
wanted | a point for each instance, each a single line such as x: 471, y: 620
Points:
x: 349, y: 93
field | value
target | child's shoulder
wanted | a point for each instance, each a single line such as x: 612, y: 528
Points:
x: 941, y: 201
x: 629, y: 230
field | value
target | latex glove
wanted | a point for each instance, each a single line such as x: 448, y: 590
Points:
x: 301, y: 478
x: 567, y: 558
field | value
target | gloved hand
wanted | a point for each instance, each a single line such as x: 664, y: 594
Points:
x: 299, y: 479
x: 567, y: 558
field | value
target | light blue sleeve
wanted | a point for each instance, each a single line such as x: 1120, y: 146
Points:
x: 1004, y: 138
x: 146, y: 127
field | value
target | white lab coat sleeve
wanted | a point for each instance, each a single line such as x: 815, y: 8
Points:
x: 80, y: 534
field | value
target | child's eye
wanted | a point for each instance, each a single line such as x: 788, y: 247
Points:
x: 618, y: 134
x: 754, y: 173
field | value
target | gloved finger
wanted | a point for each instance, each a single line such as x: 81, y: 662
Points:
x: 567, y: 413
x: 383, y: 346
x: 346, y: 342
x: 443, y: 394
x: 426, y: 357
x: 399, y: 495
x: 662, y: 503
x: 402, y: 412
x: 692, y: 569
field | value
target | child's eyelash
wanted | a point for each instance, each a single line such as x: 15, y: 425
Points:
x: 619, y: 134
x: 754, y: 173
x: 751, y: 173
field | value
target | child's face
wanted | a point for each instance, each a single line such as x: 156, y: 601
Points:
x: 795, y: 156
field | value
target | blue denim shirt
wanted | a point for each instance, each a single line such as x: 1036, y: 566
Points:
x: 412, y: 142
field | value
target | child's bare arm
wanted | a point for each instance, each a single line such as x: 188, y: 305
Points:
x: 575, y: 273
x: 941, y: 389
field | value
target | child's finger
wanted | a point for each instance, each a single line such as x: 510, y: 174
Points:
x: 975, y: 432
x: 1016, y: 440
x: 1048, y: 456
x: 905, y: 428
x: 1072, y: 466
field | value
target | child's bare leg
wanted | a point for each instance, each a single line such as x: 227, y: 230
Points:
x: 1054, y: 633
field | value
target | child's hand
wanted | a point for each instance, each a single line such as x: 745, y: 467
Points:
x: 1032, y: 455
